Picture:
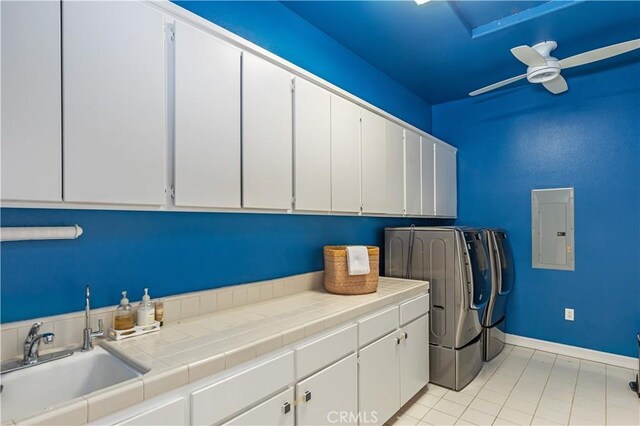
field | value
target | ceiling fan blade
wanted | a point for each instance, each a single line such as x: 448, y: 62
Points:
x: 528, y: 56
x: 496, y: 85
x: 599, y: 54
x: 557, y: 85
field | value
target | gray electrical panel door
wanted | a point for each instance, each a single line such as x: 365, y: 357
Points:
x: 552, y: 229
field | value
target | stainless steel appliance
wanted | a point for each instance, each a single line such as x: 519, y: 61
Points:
x: 502, y: 278
x: 455, y: 262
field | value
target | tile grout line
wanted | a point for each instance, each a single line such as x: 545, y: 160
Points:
x: 514, y: 386
x: 545, y: 386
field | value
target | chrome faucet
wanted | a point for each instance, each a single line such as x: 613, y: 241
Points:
x: 32, y: 344
x: 89, y: 334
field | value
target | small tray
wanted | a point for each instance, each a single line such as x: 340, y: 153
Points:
x: 138, y: 330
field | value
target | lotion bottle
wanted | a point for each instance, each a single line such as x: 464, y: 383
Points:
x: 146, y: 310
x: 124, y: 316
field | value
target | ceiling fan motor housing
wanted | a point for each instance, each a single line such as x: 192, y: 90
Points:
x: 544, y: 73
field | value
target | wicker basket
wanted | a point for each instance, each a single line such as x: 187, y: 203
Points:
x: 336, y: 275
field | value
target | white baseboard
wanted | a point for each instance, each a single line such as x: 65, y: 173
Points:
x: 574, y: 351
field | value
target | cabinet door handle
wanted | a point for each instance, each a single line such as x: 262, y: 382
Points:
x: 398, y: 340
x: 286, y: 408
x: 406, y: 336
x: 307, y: 396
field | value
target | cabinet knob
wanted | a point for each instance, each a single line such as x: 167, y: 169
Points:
x: 286, y: 408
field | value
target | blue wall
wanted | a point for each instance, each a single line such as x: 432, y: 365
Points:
x: 513, y: 141
x: 179, y: 252
x: 168, y: 252
x: 274, y: 27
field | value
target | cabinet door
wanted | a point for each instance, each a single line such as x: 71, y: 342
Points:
x: 114, y: 103
x: 414, y: 358
x: 345, y: 155
x: 312, y: 153
x: 413, y: 176
x: 374, y: 163
x: 170, y: 414
x: 428, y: 177
x: 445, y: 176
x: 266, y: 135
x: 379, y: 379
x: 207, y: 126
x: 395, y: 169
x: 31, y: 99
x: 329, y: 393
x: 272, y: 412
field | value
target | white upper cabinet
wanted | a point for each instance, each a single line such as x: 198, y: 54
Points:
x: 395, y: 169
x: 428, y: 177
x: 446, y: 187
x: 31, y: 101
x: 114, y: 103
x: 345, y: 155
x: 312, y: 153
x: 413, y: 176
x: 266, y: 135
x: 374, y: 163
x: 207, y: 120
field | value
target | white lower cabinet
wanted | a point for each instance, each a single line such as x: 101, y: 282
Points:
x: 359, y: 373
x: 171, y: 413
x: 378, y: 383
x: 275, y: 411
x: 232, y: 395
x: 330, y: 396
x: 414, y: 358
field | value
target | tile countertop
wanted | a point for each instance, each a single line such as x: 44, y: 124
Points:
x: 193, y: 349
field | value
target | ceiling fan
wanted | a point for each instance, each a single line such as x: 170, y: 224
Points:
x: 544, y: 68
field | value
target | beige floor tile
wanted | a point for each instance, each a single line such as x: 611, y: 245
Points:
x: 402, y: 420
x: 477, y: 417
x: 492, y: 396
x: 436, y: 390
x: 450, y: 408
x: 503, y: 422
x: 559, y: 417
x: 436, y: 418
x: 486, y: 406
x: 458, y: 398
x: 415, y: 410
x: 521, y: 405
x: 428, y: 400
x: 515, y: 416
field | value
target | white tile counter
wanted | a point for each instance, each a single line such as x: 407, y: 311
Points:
x: 192, y: 349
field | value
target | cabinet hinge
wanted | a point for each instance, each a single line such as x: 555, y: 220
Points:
x: 293, y: 84
x: 171, y: 31
x: 293, y: 201
x: 171, y: 191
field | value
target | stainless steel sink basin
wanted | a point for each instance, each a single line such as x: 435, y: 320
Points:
x: 31, y: 390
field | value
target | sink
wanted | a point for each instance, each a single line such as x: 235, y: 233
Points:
x: 31, y: 390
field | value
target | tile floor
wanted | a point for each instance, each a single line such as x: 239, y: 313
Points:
x: 524, y: 386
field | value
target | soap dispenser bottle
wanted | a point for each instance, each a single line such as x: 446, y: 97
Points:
x: 146, y: 310
x: 124, y: 316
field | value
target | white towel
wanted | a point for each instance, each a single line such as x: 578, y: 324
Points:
x: 358, y: 260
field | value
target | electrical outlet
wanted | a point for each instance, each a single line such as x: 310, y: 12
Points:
x: 568, y: 314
